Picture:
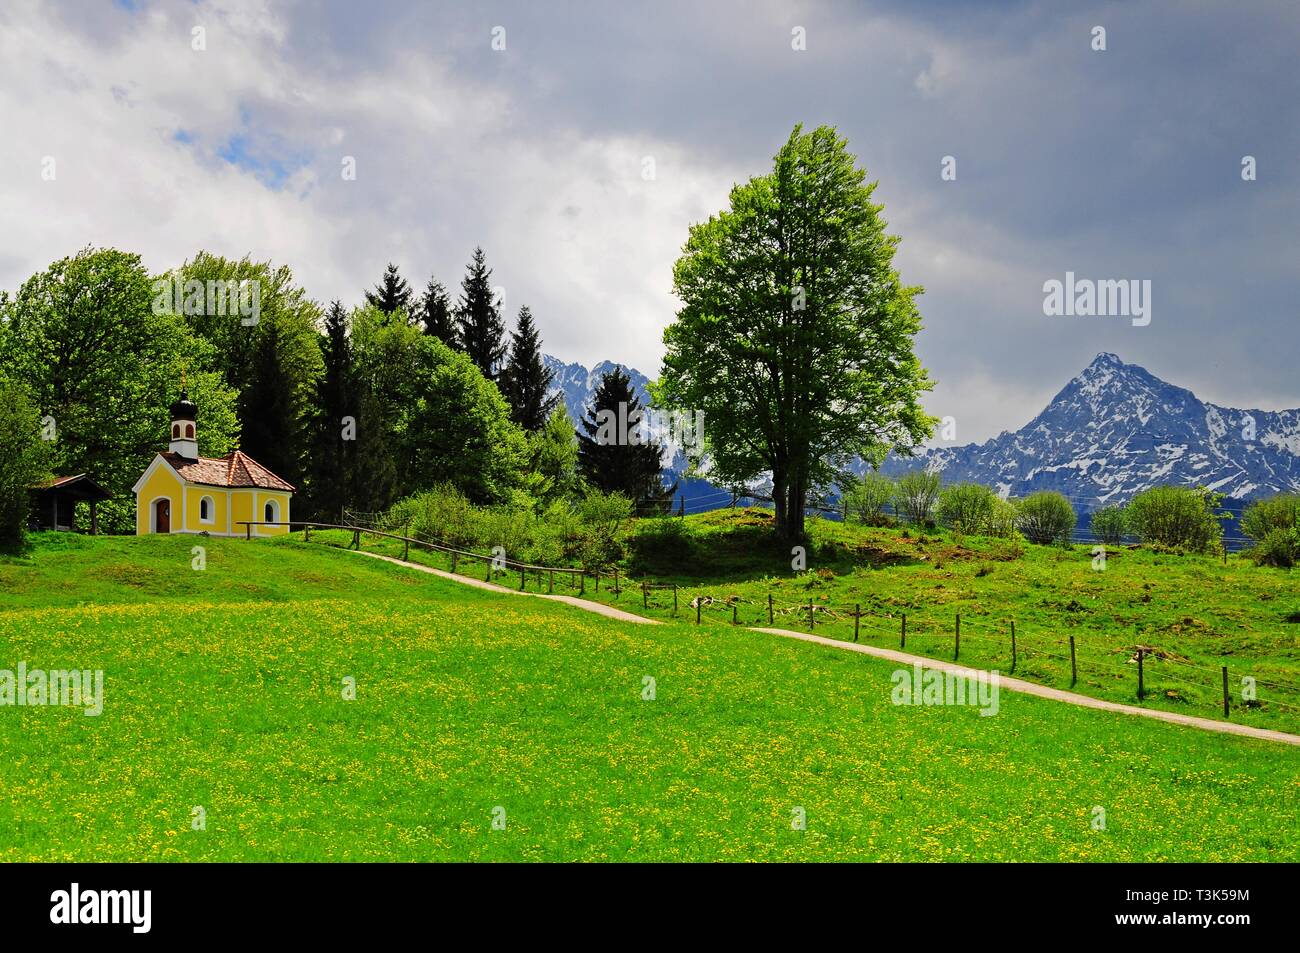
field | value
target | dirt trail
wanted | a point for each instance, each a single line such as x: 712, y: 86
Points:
x: 1006, y: 682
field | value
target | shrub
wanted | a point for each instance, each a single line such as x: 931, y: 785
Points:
x: 1281, y: 512
x: 867, y: 500
x: 602, y: 515
x: 1176, y: 517
x: 966, y: 507
x: 1002, y: 521
x: 1279, y: 547
x: 1045, y: 518
x: 1109, y: 524
x: 915, y: 495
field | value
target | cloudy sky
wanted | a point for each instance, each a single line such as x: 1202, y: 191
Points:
x: 1123, y: 163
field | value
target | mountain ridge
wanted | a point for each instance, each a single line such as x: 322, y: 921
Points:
x: 1113, y: 430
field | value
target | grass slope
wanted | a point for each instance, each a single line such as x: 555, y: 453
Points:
x: 223, y: 691
x: 1193, y: 613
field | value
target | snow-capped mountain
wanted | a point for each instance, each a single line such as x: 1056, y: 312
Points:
x: 1112, y: 431
x: 1117, y: 429
x: 577, y: 384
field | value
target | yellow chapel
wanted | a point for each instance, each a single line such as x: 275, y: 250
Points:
x: 182, y: 492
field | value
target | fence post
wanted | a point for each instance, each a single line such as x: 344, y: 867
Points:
x: 902, y: 636
x: 1013, y: 645
x: 645, y: 595
x: 734, y: 610
x: 1141, y: 686
x: 1225, y: 692
x: 248, y: 531
x: 617, y: 590
x: 596, y: 573
x: 771, y: 617
x: 406, y: 547
x: 356, y: 539
x: 812, y: 622
x: 306, y: 533
x: 454, y: 554
x: 488, y: 576
x: 956, y: 644
x: 674, y: 598
x: 551, y: 585
x: 699, y: 600
x: 857, y: 619
x: 582, y: 582
x: 1074, y: 667
x: 522, y: 577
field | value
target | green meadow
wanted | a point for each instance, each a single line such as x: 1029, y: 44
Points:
x: 1191, y: 614
x: 493, y: 727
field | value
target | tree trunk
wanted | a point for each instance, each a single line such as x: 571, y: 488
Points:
x: 794, y: 525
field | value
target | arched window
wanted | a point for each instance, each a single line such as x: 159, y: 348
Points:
x: 272, y: 512
x: 205, y: 510
x: 176, y: 431
x: 189, y: 431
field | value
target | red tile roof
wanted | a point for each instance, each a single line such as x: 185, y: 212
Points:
x: 233, y: 470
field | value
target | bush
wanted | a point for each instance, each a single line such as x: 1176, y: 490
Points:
x: 1279, y: 547
x: 602, y: 515
x: 867, y: 500
x: 1002, y: 521
x: 915, y: 495
x: 1045, y: 518
x: 966, y: 507
x: 1281, y: 512
x: 1109, y: 524
x: 1176, y: 517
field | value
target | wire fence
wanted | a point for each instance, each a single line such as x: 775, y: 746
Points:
x: 1000, y: 643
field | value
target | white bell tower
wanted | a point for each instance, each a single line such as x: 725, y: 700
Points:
x: 184, y: 441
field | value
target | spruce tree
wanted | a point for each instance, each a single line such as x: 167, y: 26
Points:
x: 392, y: 293
x: 526, y: 380
x: 613, y: 454
x: 268, y: 409
x: 436, y: 316
x: 482, y: 332
x: 333, y: 452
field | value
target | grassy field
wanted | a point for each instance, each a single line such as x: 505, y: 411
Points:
x: 223, y: 689
x: 1193, y: 614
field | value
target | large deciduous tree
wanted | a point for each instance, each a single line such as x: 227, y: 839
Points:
x: 271, y: 357
x: 526, y: 380
x: 104, y: 362
x: 795, y: 333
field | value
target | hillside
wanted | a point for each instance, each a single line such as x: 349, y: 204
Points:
x: 470, y: 704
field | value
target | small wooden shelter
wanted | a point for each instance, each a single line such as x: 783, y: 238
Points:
x: 54, y: 504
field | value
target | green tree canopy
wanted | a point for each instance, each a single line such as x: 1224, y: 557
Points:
x: 795, y: 333
x: 23, y: 456
x: 105, y: 364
